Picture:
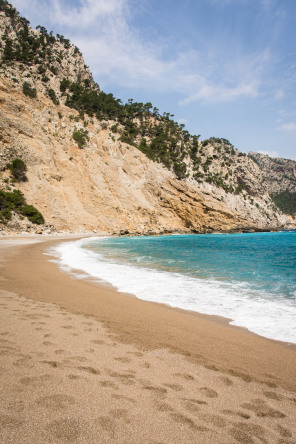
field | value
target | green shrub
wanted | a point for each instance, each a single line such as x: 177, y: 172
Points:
x: 53, y: 69
x: 240, y: 187
x: 80, y: 136
x: 64, y: 84
x: 52, y: 96
x: 114, y: 128
x: 18, y: 169
x: 29, y: 91
x: 16, y: 202
x: 41, y: 69
x: 45, y: 79
x: 32, y: 214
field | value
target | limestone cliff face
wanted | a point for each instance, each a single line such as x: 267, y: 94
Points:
x: 109, y: 185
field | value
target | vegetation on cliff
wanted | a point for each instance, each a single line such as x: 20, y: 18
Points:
x: 18, y: 169
x: 15, y: 202
x: 286, y: 202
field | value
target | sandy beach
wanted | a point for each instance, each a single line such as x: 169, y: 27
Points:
x: 82, y: 363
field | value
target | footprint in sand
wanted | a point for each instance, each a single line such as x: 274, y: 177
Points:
x: 123, y: 398
x: 176, y: 387
x: 66, y: 429
x: 146, y: 365
x: 59, y: 352
x: 120, y: 414
x: 24, y: 361
x: 124, y: 378
x: 163, y: 407
x: 214, y: 420
x: 208, y: 392
x: 239, y: 374
x: 107, y: 384
x: 107, y: 424
x: 48, y: 343
x: 261, y: 409
x: 192, y: 405
x: 227, y: 381
x: 245, y: 432
x: 185, y: 420
x: 98, y: 341
x: 35, y: 381
x: 123, y: 360
x: 285, y: 433
x: 185, y: 376
x: 71, y: 376
x: 75, y: 359
x: 57, y: 401
x: 156, y: 390
x: 211, y: 367
x: 91, y: 370
x: 10, y: 422
x: 273, y: 395
x: 236, y: 413
x: 53, y: 364
x: 9, y: 351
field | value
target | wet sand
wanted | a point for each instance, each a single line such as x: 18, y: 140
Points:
x: 83, y: 363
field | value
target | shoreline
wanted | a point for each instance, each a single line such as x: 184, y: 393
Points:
x: 188, y: 320
x: 217, y: 318
x: 81, y: 362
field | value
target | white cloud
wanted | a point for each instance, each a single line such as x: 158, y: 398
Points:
x: 291, y: 126
x: 88, y: 13
x: 116, y: 51
x: 220, y: 93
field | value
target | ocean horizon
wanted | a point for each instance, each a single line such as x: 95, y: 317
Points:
x: 249, y: 278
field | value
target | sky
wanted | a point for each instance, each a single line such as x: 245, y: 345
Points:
x: 224, y: 68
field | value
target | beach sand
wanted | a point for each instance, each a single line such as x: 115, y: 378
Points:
x: 82, y: 363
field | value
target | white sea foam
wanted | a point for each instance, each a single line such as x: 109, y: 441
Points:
x: 248, y: 308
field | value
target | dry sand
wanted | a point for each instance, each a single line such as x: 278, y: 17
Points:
x: 81, y: 363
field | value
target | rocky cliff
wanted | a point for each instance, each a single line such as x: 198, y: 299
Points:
x: 278, y: 174
x: 90, y: 168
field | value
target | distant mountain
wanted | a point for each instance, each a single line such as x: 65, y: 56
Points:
x: 94, y: 163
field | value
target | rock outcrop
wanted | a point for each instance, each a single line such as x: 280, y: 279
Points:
x: 278, y: 174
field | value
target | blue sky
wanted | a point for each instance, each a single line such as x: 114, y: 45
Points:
x: 225, y: 68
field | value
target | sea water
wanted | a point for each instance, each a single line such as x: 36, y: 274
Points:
x: 249, y: 278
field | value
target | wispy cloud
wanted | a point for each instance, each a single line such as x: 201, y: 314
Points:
x: 88, y: 13
x: 291, y: 126
x: 220, y: 93
x: 116, y: 51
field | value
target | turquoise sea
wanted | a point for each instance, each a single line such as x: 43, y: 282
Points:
x: 249, y: 278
